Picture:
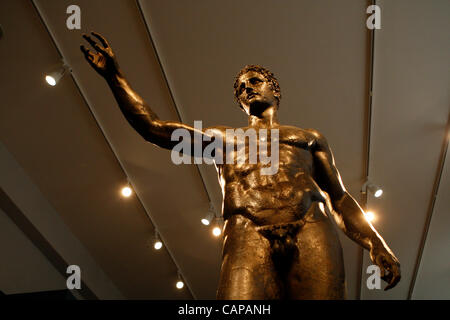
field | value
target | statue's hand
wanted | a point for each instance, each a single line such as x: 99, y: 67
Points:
x: 103, y: 61
x: 389, y: 265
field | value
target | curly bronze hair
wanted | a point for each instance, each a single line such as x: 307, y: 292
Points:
x: 266, y: 73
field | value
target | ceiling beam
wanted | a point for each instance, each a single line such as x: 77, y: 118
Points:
x: 370, y: 57
x: 434, y: 193
x: 41, y: 243
x: 28, y: 208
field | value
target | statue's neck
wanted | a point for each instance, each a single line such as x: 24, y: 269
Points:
x: 266, y: 119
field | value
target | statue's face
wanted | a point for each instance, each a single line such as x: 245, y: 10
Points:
x: 255, y: 90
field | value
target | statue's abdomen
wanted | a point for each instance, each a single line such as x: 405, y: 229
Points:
x: 271, y: 199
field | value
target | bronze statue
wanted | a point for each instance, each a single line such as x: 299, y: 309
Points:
x: 278, y: 240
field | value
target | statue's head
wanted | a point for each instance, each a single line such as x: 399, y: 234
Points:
x: 254, y: 78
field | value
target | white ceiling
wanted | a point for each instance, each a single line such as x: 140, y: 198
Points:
x: 69, y: 148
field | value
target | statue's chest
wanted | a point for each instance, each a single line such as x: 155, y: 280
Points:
x: 288, y: 150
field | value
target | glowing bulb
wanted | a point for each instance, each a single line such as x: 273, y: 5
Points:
x: 205, y: 221
x: 180, y: 284
x: 378, y: 193
x: 50, y: 80
x: 216, y: 231
x: 157, y: 245
x: 126, y: 191
x: 370, y: 216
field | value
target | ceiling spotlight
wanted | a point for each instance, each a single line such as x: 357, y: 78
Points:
x: 217, y: 230
x: 370, y: 216
x: 180, y: 283
x: 207, y: 220
x: 157, y: 243
x: 126, y: 191
x: 378, y: 193
x: 53, y: 77
x: 376, y: 190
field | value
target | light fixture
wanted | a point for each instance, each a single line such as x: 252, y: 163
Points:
x: 207, y: 220
x: 180, y: 283
x: 53, y: 77
x: 126, y: 190
x: 369, y: 215
x: 376, y: 190
x: 157, y: 244
x: 217, y: 230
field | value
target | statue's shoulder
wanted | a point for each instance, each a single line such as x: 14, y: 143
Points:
x: 318, y: 140
x: 307, y: 134
x: 312, y: 137
x: 314, y: 133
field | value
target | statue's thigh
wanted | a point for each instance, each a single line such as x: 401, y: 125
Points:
x: 317, y: 271
x: 247, y: 270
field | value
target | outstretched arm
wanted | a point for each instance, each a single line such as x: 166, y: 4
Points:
x: 133, y: 107
x: 349, y: 215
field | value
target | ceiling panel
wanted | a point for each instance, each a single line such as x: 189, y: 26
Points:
x: 26, y: 205
x: 410, y: 112
x: 27, y: 269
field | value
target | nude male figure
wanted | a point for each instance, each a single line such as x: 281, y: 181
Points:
x: 278, y: 240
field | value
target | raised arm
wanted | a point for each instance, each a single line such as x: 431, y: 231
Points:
x: 348, y: 214
x: 133, y: 107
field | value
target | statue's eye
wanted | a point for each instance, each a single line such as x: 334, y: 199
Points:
x: 255, y: 80
x: 241, y: 87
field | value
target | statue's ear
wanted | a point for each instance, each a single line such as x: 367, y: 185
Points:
x: 278, y: 97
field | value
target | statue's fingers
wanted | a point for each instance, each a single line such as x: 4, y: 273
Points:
x: 101, y: 38
x: 99, y: 49
x: 86, y: 52
x: 394, y: 271
x: 379, y: 263
x: 84, y: 49
x: 89, y: 56
x: 91, y: 42
x: 395, y: 279
x: 387, y: 277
